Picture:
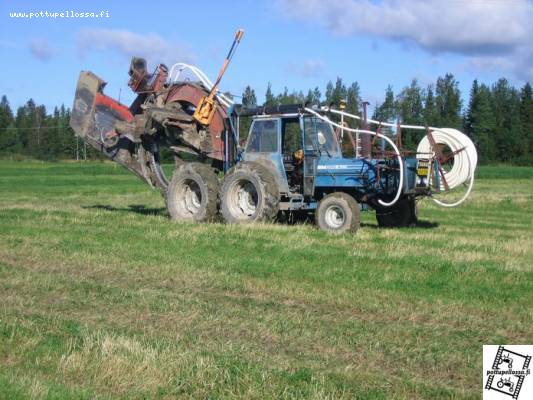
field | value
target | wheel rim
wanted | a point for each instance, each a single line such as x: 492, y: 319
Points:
x: 334, y: 217
x: 243, y: 199
x: 189, y: 198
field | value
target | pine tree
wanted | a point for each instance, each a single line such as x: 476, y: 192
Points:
x: 386, y: 112
x: 248, y: 97
x: 313, y: 96
x: 9, y: 142
x: 448, y: 102
x: 6, y: 115
x: 472, y: 107
x: 353, y: 98
x: 430, y: 110
x: 309, y: 99
x: 506, y: 109
x: 24, y: 125
x: 284, y: 98
x: 270, y: 100
x: 329, y: 93
x: 340, y: 92
x: 410, y: 109
x: 481, y: 122
x: 526, y: 121
x: 40, y: 133
x: 317, y: 95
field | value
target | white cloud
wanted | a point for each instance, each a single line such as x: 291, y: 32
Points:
x: 126, y: 43
x: 307, y: 68
x: 41, y: 49
x: 474, y: 28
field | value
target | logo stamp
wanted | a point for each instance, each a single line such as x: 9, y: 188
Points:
x: 507, y: 372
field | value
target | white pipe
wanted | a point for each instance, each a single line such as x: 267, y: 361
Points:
x: 200, y: 75
x: 372, y: 121
x: 393, y: 145
x: 464, y: 164
x: 461, y: 200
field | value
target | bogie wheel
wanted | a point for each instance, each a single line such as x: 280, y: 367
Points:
x: 338, y: 213
x: 192, y: 194
x: 403, y: 213
x: 249, y: 193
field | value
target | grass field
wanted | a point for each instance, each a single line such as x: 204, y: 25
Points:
x: 101, y: 296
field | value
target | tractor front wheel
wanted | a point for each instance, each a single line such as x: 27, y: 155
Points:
x: 192, y: 194
x: 338, y: 213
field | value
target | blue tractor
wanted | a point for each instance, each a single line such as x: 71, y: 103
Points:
x: 291, y: 163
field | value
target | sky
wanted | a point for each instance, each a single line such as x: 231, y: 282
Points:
x: 298, y: 44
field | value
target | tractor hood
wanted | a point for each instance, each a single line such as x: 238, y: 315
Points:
x: 341, y: 166
x: 343, y: 172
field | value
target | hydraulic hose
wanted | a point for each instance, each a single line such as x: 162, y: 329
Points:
x: 393, y: 145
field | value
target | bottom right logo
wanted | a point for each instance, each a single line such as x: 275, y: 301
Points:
x: 506, y: 372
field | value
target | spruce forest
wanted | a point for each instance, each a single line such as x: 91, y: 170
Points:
x: 498, y: 117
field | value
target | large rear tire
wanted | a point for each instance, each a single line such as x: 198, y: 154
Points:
x: 403, y: 213
x: 192, y: 194
x: 338, y: 213
x: 249, y: 194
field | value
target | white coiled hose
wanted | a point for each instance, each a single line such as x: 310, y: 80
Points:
x: 464, y: 161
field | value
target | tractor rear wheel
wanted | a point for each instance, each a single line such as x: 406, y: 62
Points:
x: 192, y: 194
x: 249, y: 194
x: 401, y: 214
x: 338, y: 213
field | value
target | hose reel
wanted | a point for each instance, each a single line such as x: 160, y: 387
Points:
x: 462, y: 154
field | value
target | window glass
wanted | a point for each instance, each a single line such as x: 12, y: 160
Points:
x: 263, y: 137
x: 292, y: 140
x: 317, y: 131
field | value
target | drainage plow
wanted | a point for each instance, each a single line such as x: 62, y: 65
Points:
x: 293, y: 162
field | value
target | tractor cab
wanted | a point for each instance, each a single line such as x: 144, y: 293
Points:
x: 291, y: 146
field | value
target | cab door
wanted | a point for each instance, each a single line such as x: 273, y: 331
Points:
x: 263, y: 147
x: 311, y: 153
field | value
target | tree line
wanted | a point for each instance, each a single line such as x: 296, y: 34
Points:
x: 32, y: 132
x: 498, y: 118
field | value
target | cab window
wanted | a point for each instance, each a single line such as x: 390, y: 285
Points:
x: 292, y: 137
x: 263, y: 137
x: 318, y: 135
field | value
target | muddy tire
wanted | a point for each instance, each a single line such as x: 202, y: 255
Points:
x: 249, y: 194
x: 403, y: 213
x: 192, y: 193
x: 338, y: 213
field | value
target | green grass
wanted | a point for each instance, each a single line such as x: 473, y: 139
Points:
x: 103, y: 297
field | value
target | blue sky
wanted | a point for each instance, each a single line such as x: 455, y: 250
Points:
x: 294, y: 43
